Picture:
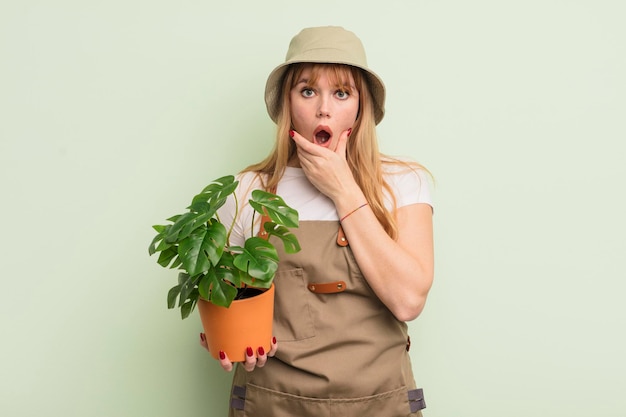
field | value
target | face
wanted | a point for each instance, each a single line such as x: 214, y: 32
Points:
x: 321, y: 110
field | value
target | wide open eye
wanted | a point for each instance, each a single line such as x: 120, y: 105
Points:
x: 307, y: 92
x: 342, y: 94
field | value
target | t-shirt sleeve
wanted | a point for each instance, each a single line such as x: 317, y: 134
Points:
x: 411, y: 186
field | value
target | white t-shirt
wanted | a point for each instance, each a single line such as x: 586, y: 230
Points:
x: 409, y: 187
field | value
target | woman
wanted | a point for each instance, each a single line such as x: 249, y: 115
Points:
x: 366, y: 264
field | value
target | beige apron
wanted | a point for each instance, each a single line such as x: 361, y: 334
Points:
x: 340, y: 350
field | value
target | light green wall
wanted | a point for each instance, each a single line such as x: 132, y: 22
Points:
x: 112, y: 114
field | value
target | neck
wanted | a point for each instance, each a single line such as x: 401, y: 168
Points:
x: 294, y: 162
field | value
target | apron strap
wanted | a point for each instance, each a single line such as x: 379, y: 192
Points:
x: 341, y: 237
x: 262, y: 233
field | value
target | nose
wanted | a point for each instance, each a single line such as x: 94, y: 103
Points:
x: 323, y: 109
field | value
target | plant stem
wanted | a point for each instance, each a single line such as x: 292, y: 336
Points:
x: 252, y: 225
x: 232, y: 224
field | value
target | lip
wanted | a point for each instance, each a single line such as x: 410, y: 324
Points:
x: 319, y: 129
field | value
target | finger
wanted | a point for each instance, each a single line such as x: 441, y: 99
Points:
x: 250, y: 361
x: 225, y: 363
x: 261, y: 358
x: 203, y: 341
x: 304, y: 144
x: 298, y: 138
x: 343, y: 143
x: 304, y: 147
x: 273, y: 347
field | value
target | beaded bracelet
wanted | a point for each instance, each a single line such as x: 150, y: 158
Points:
x: 344, y: 217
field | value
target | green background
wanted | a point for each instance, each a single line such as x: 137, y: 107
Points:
x: 111, y: 111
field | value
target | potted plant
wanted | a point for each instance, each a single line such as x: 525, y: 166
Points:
x: 222, y: 279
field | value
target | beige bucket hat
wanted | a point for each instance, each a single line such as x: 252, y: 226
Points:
x: 327, y: 44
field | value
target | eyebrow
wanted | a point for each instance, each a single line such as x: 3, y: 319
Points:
x: 305, y: 81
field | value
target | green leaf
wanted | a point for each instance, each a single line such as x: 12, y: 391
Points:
x: 160, y: 228
x: 182, y: 277
x: 187, y: 308
x: 219, y: 292
x: 185, y: 225
x: 201, y: 207
x: 226, y: 270
x: 222, y: 293
x: 162, y: 232
x: 204, y: 285
x: 203, y: 248
x: 259, y: 260
x: 174, y: 218
x: 199, y: 220
x: 163, y: 245
x: 166, y: 257
x: 290, y: 241
x: 215, y: 194
x: 172, y: 295
x: 275, y: 207
x: 177, y: 262
x: 186, y: 289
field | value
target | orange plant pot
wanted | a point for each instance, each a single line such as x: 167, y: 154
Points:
x: 246, y: 323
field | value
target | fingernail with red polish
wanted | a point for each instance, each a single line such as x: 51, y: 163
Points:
x: 202, y: 336
x: 273, y: 340
x: 222, y: 355
x: 292, y: 133
x: 261, y: 351
x: 249, y: 351
x: 349, y: 131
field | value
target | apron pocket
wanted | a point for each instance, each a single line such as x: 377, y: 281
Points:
x: 263, y: 402
x: 292, y: 314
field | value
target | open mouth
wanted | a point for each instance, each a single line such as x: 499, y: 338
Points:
x: 322, y: 135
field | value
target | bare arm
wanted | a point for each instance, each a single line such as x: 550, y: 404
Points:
x: 400, y: 272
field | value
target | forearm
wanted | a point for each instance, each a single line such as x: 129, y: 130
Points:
x: 400, y: 272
